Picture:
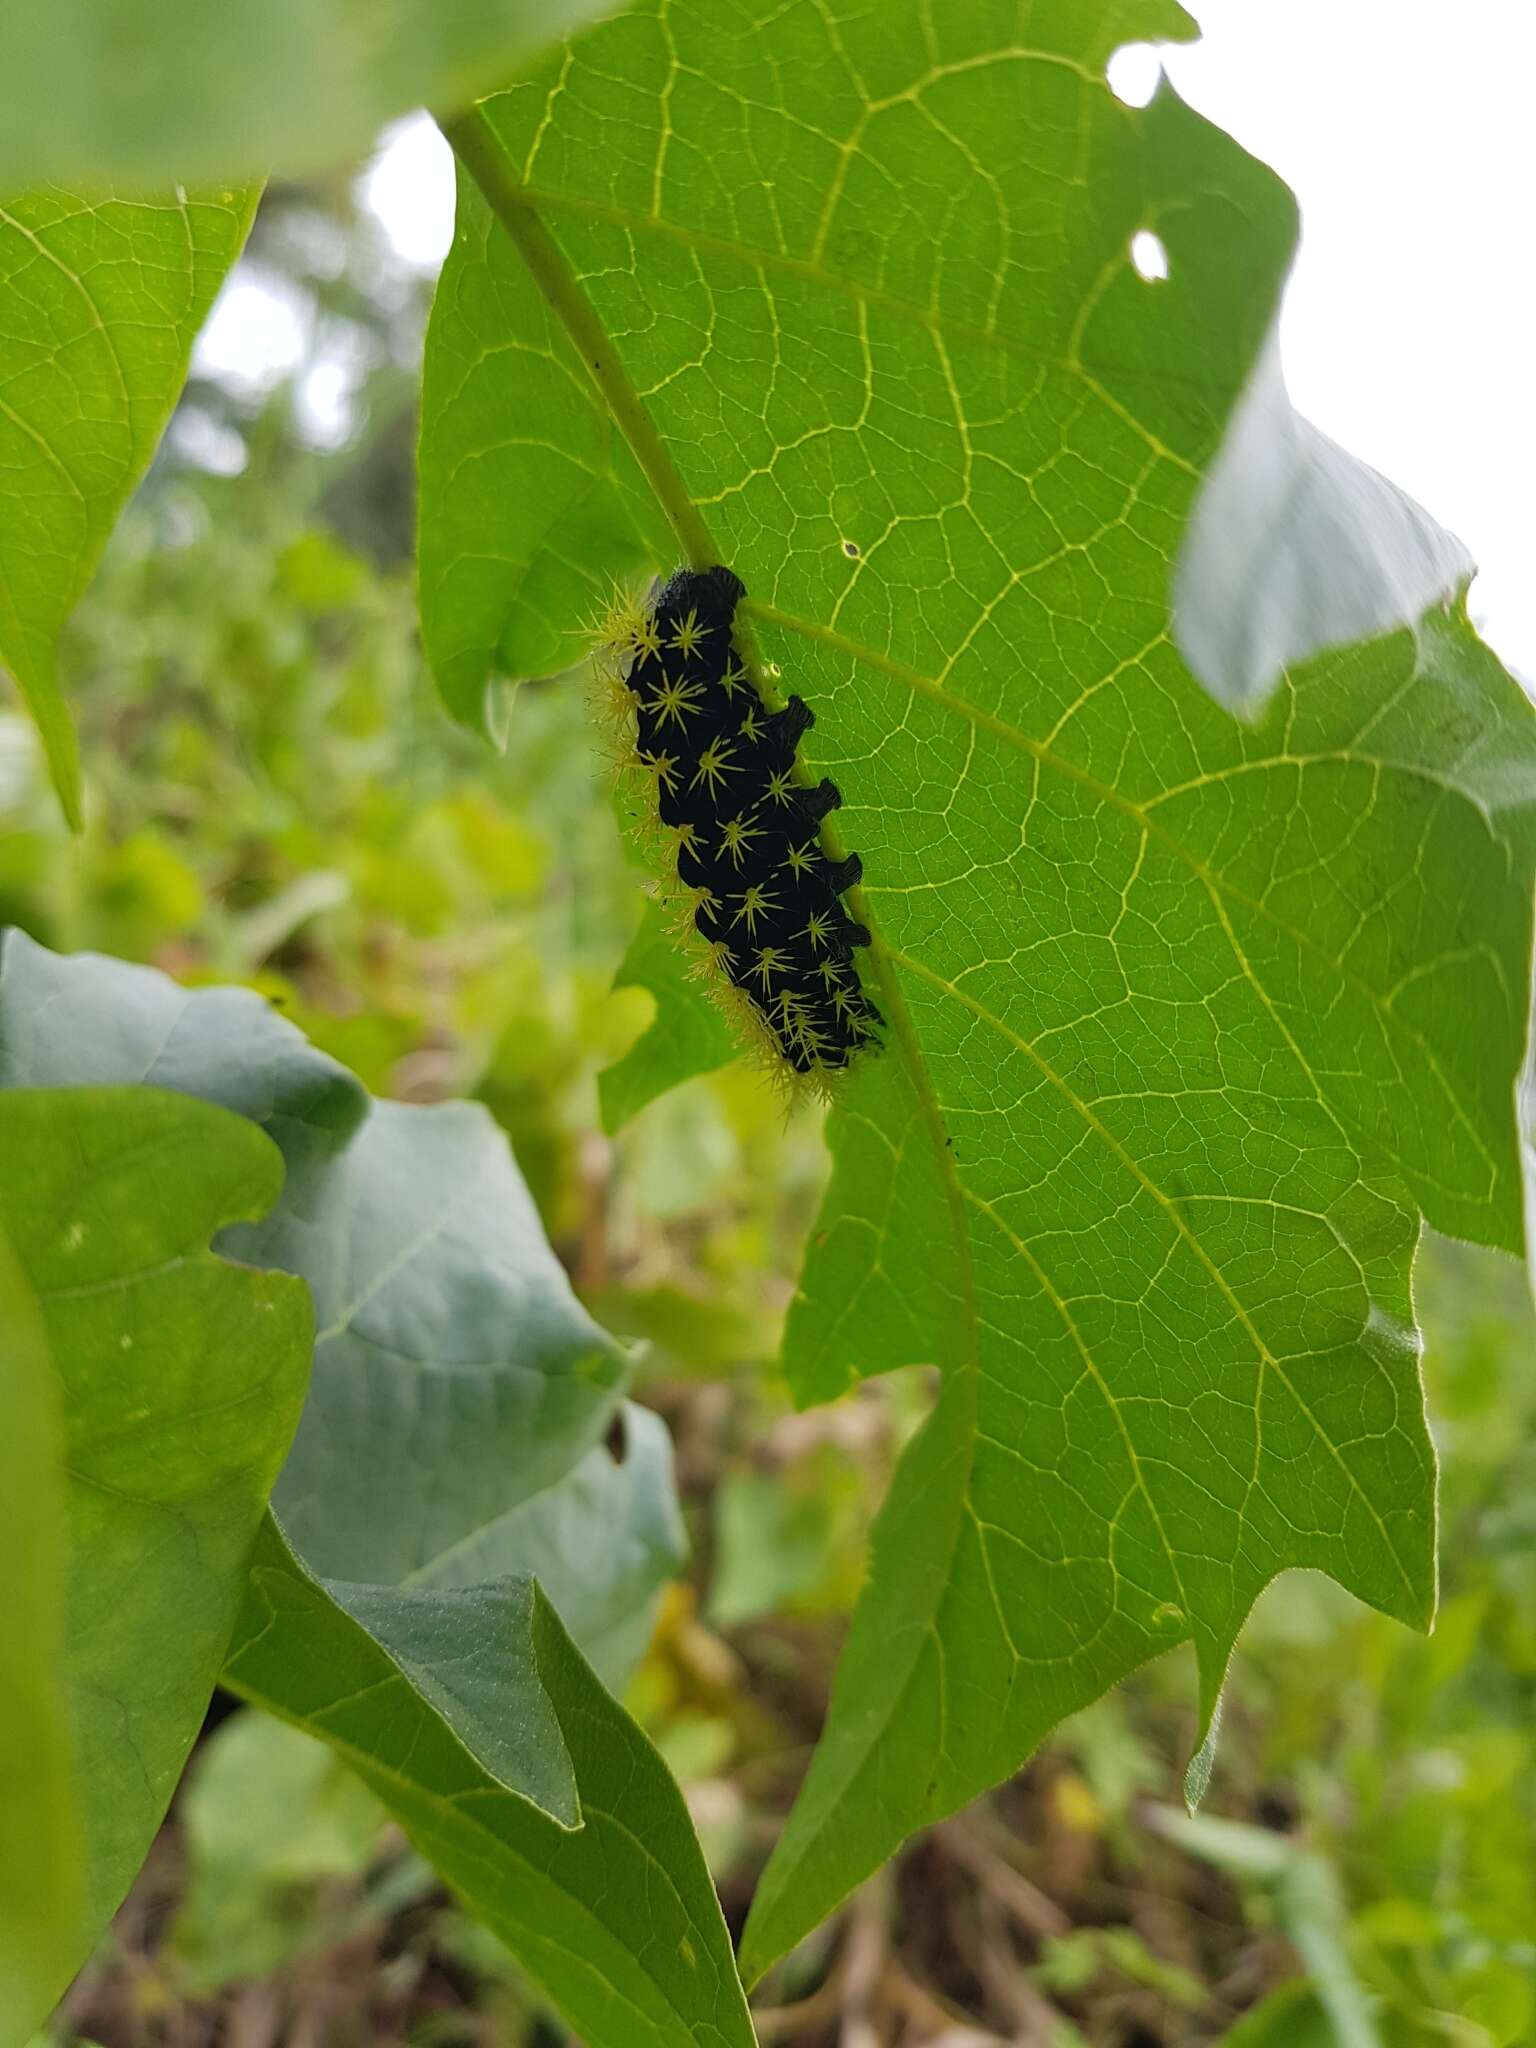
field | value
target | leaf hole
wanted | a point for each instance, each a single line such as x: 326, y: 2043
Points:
x: 1133, y: 73
x: 616, y: 1438
x: 1149, y: 256
x: 851, y: 550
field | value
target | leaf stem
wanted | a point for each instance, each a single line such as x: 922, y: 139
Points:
x: 474, y: 143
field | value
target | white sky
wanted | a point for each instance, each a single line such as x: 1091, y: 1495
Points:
x: 1404, y: 127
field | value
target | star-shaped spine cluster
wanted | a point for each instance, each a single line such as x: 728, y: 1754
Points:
x: 767, y: 901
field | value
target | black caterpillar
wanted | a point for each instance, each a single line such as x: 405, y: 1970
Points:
x: 746, y: 827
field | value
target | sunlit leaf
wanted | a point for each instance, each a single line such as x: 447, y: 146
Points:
x: 526, y: 518
x: 104, y: 296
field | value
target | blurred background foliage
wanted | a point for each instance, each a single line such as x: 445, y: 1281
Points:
x: 275, y: 798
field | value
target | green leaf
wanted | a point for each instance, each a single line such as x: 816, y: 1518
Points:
x: 181, y: 1381
x: 1177, y: 1050
x: 105, y: 296
x: 522, y: 531
x: 1295, y: 546
x: 616, y: 1919
x: 101, y: 90
x: 687, y: 1036
x: 600, y: 1541
x: 43, y: 1929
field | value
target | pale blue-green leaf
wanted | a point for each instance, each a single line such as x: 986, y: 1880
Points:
x: 1295, y: 545
x: 460, y: 1392
x: 70, y: 1020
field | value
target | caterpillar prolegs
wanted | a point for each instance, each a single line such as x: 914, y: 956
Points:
x: 744, y: 825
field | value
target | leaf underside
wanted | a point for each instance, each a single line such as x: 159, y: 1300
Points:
x: 1180, y: 1049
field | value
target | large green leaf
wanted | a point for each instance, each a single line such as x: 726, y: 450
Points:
x: 106, y: 89
x: 181, y: 1378
x: 43, y: 1928
x: 1178, y: 1047
x: 104, y: 297
x: 617, y: 1919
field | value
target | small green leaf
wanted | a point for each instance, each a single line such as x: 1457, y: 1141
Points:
x: 688, y: 1035
x: 43, y: 1927
x: 617, y: 1918
x: 107, y: 90
x: 522, y: 529
x: 104, y: 298
x: 181, y: 1379
x: 1291, y: 2017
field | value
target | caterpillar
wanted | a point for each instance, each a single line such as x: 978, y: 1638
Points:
x: 744, y: 824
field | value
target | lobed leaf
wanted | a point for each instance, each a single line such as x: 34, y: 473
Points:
x: 105, y: 295
x: 1179, y: 1048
